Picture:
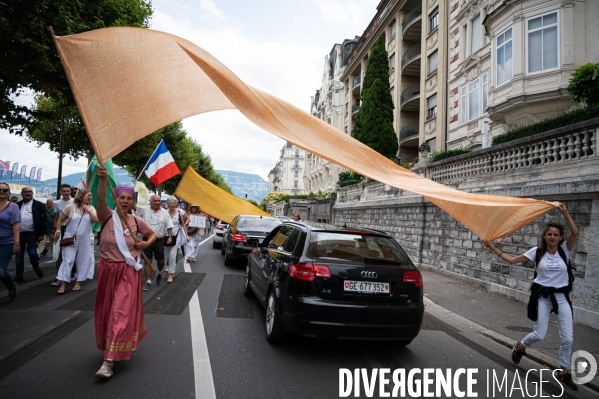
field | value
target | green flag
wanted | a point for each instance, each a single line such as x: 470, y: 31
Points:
x: 94, y: 182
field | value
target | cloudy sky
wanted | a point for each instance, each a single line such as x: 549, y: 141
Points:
x: 275, y: 45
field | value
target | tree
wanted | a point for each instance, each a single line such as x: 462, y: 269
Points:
x: 374, y: 120
x: 584, y: 85
x: 29, y: 57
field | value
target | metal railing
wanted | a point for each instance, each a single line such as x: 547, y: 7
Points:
x: 376, y: 21
x: 411, y: 17
x: 409, y: 131
x: 412, y: 53
x: 411, y: 92
x: 357, y: 81
x: 355, y: 108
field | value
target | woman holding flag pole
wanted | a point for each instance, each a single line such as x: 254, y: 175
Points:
x: 118, y: 311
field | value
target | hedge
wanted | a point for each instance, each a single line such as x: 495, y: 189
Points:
x: 440, y: 155
x: 561, y: 120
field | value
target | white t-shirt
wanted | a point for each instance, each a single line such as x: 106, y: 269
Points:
x: 60, y: 204
x: 553, y: 272
x: 159, y: 221
x: 27, y: 216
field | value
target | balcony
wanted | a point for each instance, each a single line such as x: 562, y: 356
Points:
x: 410, y: 98
x: 409, y: 133
x: 412, y: 25
x: 356, y: 84
x: 410, y: 61
x: 355, y: 108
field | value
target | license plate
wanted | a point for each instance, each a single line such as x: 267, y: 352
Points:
x: 366, y: 287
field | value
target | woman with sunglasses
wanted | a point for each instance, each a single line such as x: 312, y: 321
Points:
x: 10, y: 223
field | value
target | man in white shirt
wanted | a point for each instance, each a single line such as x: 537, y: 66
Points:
x: 33, y: 228
x: 59, y: 205
x: 160, y: 221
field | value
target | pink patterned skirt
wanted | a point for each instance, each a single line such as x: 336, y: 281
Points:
x: 118, y: 310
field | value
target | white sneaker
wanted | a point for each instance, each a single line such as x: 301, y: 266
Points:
x: 55, y: 283
x: 106, y: 370
x: 74, y: 278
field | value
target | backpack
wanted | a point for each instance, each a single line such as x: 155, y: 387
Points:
x: 568, y: 263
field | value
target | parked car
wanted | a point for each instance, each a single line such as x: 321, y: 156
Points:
x: 325, y: 281
x: 219, y: 232
x: 245, y: 233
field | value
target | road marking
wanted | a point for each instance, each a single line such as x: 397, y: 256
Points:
x: 204, y: 382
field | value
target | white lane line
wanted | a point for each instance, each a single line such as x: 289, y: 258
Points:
x: 204, y: 382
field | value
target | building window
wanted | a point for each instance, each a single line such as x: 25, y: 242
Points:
x: 392, y: 63
x: 392, y: 30
x: 504, y: 57
x: 475, y: 41
x: 392, y: 94
x: 542, y: 43
x: 295, y: 173
x: 289, y: 145
x: 297, y: 153
x: 296, y: 164
x: 433, y: 62
x: 475, y: 98
x: 432, y: 143
x: 431, y: 106
x: 465, y: 30
x: 433, y: 21
x: 295, y: 184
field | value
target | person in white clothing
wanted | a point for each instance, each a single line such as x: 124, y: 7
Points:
x: 549, y: 291
x: 59, y: 205
x: 179, y: 219
x: 78, y: 217
x: 160, y: 222
x: 194, y: 232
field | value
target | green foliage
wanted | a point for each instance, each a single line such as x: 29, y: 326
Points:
x: 440, y: 155
x: 348, y: 178
x: 45, y: 128
x: 251, y: 201
x: 31, y: 57
x: 311, y: 194
x: 374, y: 120
x: 584, y: 85
x: 275, y: 197
x: 561, y: 120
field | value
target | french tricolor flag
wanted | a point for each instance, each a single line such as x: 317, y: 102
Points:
x: 161, y: 165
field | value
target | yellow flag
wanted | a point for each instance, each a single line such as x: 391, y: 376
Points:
x: 213, y: 200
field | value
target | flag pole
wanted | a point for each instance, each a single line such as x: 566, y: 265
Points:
x: 144, y: 168
x: 84, y: 173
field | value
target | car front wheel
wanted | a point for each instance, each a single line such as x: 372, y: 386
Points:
x: 214, y: 244
x: 274, y: 331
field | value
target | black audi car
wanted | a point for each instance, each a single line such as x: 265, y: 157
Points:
x: 245, y: 233
x: 327, y: 281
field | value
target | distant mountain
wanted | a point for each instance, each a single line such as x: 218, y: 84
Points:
x: 49, y: 186
x: 244, y: 183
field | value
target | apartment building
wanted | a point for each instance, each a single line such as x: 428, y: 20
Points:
x: 287, y: 175
x: 510, y: 62
x: 416, y: 72
x: 327, y: 105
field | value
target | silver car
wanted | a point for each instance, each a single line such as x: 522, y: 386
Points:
x: 219, y: 231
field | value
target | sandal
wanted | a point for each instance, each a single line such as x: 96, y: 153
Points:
x: 76, y: 288
x: 170, y: 278
x: 60, y: 291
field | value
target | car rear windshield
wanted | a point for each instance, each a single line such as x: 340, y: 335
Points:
x: 258, y: 223
x: 355, y: 246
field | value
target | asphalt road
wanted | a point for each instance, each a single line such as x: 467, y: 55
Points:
x: 207, y: 340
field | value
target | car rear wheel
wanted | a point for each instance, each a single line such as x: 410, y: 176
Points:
x: 247, y: 291
x: 228, y: 260
x: 222, y: 248
x: 274, y: 331
x: 214, y: 244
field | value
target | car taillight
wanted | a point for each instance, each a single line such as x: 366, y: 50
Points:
x: 308, y: 272
x: 219, y: 227
x: 239, y: 237
x: 413, y: 277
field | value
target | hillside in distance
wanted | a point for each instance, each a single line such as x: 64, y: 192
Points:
x: 245, y: 183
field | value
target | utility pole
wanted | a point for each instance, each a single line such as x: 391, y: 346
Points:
x: 59, y: 181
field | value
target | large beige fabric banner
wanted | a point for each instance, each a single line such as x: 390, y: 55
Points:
x: 213, y: 200
x: 129, y: 82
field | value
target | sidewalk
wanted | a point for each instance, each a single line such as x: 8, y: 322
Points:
x: 500, y: 317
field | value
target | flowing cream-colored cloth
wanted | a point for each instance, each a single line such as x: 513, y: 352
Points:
x: 122, y: 244
x: 129, y: 82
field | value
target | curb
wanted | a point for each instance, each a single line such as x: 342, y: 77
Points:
x: 532, y: 354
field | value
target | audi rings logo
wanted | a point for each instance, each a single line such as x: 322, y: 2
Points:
x: 369, y: 274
